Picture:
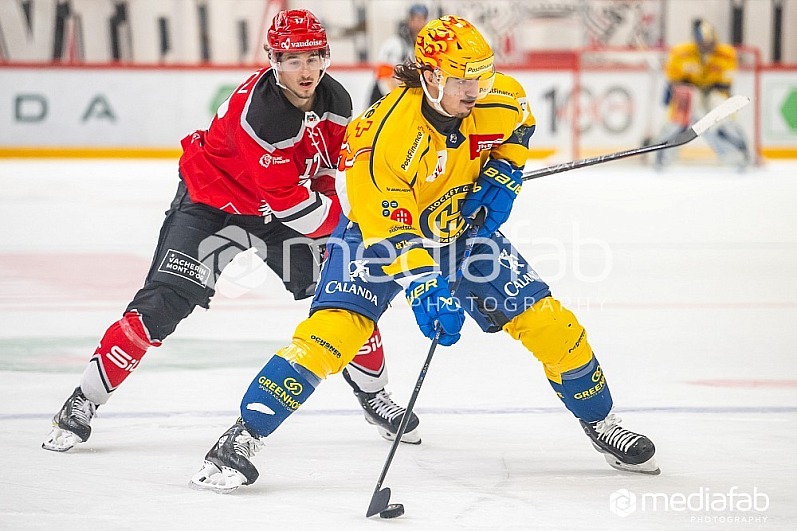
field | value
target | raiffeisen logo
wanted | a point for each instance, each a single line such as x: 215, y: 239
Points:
x: 287, y: 44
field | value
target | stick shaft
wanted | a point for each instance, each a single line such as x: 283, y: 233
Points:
x: 717, y: 114
x: 471, y: 240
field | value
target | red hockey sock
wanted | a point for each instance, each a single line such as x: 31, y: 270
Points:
x: 371, y: 356
x: 118, y: 354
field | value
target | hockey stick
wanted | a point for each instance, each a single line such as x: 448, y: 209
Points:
x: 381, y: 496
x: 718, y: 113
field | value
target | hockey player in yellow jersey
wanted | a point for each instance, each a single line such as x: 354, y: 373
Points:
x: 445, y: 147
x: 700, y: 76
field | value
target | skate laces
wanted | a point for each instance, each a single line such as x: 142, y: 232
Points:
x: 245, y: 444
x: 82, y: 409
x: 384, y: 406
x: 610, y: 432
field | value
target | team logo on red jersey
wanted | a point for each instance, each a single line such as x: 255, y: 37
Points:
x: 479, y: 143
x: 311, y: 119
x: 268, y: 159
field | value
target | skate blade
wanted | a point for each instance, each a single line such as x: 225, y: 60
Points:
x: 649, y: 467
x: 222, y: 481
x: 60, y: 440
x: 412, y: 437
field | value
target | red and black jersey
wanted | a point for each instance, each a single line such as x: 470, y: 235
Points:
x: 262, y: 154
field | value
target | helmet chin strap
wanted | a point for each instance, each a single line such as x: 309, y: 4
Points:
x: 279, y: 83
x: 435, y: 102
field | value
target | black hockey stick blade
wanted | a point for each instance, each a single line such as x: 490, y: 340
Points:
x: 379, y: 502
x: 717, y: 114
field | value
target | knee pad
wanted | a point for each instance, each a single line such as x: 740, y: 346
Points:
x: 277, y: 391
x: 555, y: 337
x: 162, y: 307
x: 553, y: 334
x: 328, y: 340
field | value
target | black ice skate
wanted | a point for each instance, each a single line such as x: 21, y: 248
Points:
x: 71, y: 425
x: 623, y: 449
x: 227, y: 465
x: 386, y: 415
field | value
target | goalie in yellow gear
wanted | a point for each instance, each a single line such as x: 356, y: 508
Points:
x: 700, y: 76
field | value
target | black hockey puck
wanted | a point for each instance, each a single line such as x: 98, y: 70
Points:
x: 394, y: 510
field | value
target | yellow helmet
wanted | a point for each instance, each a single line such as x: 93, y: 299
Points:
x: 705, y: 35
x: 455, y: 46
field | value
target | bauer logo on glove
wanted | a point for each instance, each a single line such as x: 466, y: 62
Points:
x: 494, y: 192
x: 502, y: 178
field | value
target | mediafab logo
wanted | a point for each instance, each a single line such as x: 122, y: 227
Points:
x: 623, y: 502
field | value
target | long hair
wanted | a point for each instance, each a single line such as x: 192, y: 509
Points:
x: 409, y: 73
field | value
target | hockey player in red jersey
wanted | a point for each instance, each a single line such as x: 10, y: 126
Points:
x: 415, y: 169
x: 262, y: 176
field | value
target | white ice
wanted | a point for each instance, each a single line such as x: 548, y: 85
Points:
x: 686, y: 282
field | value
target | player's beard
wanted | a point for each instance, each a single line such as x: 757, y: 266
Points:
x: 466, y: 112
x: 307, y: 90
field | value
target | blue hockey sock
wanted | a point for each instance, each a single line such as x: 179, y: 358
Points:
x: 585, y: 392
x: 276, y: 392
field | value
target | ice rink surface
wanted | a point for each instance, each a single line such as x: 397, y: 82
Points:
x: 686, y: 282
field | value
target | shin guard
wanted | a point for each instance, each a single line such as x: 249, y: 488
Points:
x: 556, y: 338
x: 584, y: 392
x: 276, y: 392
x: 118, y: 354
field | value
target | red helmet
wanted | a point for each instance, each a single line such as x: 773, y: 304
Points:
x: 296, y: 30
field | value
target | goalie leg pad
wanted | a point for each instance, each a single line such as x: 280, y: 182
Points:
x: 556, y: 338
x: 729, y: 143
x: 277, y: 391
x: 665, y: 157
x: 117, y: 356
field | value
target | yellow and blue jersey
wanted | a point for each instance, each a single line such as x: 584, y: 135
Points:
x: 715, y: 70
x: 401, y: 180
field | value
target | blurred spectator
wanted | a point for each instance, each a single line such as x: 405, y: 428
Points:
x: 397, y: 49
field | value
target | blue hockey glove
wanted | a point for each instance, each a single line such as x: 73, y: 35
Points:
x: 495, y: 190
x: 432, y: 302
